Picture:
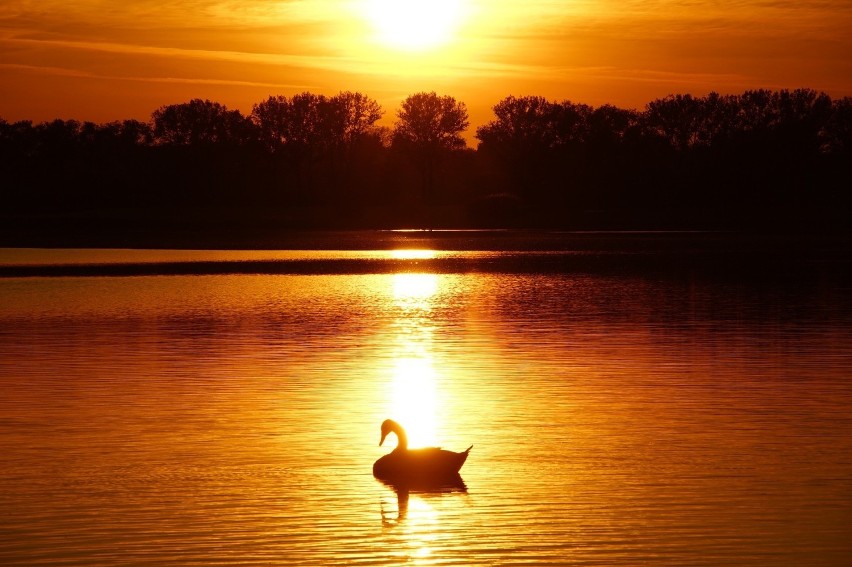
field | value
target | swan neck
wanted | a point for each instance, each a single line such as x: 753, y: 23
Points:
x: 402, y: 438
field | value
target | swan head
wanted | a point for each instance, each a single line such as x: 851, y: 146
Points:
x: 388, y: 426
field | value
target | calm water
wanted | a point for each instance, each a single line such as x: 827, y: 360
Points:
x: 617, y: 418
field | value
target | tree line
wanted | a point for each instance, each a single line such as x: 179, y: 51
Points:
x: 761, y: 158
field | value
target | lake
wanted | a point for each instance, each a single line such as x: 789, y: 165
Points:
x: 661, y: 399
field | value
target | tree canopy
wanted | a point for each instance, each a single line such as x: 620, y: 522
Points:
x: 199, y: 122
x: 757, y: 158
x: 431, y: 121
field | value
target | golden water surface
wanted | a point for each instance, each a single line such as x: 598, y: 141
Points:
x: 210, y: 419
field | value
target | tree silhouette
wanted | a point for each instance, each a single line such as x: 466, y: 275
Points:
x: 202, y: 153
x: 431, y: 122
x: 309, y: 129
x: 428, y: 127
x: 837, y: 135
x: 200, y: 122
x: 540, y: 145
x: 309, y: 119
x: 301, y: 121
x: 761, y: 158
x: 525, y: 123
x: 356, y: 116
x: 355, y: 142
x: 677, y: 119
x: 521, y: 138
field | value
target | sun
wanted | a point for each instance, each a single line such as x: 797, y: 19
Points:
x: 414, y: 25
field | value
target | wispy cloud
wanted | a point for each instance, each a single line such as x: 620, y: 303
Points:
x: 181, y: 53
x: 62, y: 71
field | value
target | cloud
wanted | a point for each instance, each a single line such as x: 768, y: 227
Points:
x: 62, y: 71
x: 177, y: 52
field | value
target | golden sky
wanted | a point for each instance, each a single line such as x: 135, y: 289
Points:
x: 105, y: 60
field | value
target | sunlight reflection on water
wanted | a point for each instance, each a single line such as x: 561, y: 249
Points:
x: 414, y: 401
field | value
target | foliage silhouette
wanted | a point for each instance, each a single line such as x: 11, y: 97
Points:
x: 315, y: 136
x: 429, y: 127
x: 200, y: 122
x: 778, y: 159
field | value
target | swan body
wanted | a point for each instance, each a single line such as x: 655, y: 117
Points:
x: 428, y: 465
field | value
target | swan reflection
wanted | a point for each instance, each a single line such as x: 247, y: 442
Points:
x: 421, y: 511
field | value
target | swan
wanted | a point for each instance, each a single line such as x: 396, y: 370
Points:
x: 430, y: 465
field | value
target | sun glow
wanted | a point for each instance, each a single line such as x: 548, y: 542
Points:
x: 414, y: 25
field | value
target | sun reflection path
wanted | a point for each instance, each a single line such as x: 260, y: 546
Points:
x: 414, y: 398
x: 413, y: 254
x: 414, y: 291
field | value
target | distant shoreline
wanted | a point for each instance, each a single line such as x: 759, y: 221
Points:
x: 138, y: 231
x: 706, y: 254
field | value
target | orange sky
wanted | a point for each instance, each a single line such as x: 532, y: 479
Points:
x: 106, y: 60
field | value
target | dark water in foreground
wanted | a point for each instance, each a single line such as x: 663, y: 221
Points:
x: 676, y: 416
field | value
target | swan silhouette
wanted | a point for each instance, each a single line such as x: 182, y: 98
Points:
x: 428, y: 466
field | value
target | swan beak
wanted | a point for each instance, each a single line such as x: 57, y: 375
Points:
x: 382, y: 440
